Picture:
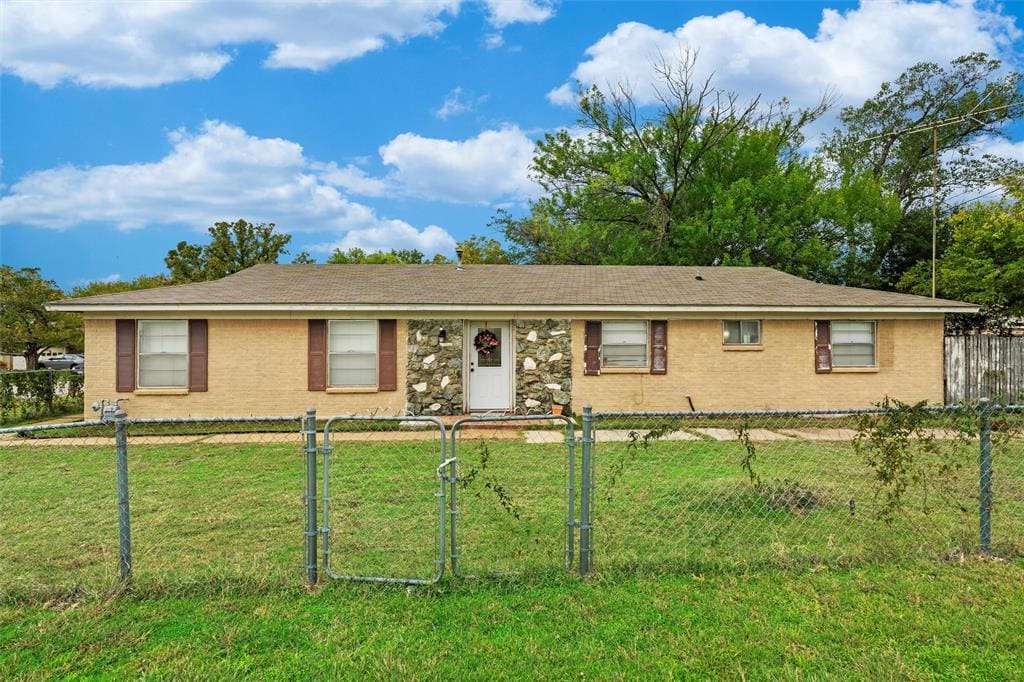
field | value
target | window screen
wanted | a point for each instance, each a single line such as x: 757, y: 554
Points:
x: 352, y: 353
x: 741, y: 332
x: 853, y: 343
x: 624, y: 343
x: 163, y: 353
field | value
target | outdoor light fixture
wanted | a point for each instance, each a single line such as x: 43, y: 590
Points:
x: 442, y: 336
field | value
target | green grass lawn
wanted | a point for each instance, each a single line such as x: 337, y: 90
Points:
x: 922, y: 621
x: 698, y: 571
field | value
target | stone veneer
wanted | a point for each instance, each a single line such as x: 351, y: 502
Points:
x: 543, y: 364
x: 434, y: 370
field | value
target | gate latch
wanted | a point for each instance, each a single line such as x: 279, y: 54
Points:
x: 444, y: 465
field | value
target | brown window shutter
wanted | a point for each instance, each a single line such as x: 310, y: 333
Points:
x: 317, y: 362
x: 387, y: 355
x: 124, y: 342
x: 659, y: 346
x: 592, y: 348
x: 822, y: 346
x: 198, y: 341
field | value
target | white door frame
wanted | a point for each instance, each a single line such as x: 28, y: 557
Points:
x: 469, y: 357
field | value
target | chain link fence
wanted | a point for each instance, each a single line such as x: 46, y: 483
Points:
x: 180, y: 505
x: 514, y: 493
x: 183, y: 504
x: 58, y: 511
x: 735, y: 490
x: 383, y: 499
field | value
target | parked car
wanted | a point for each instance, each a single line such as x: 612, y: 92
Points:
x: 72, y: 361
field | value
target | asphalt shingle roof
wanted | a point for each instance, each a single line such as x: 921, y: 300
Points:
x: 514, y: 285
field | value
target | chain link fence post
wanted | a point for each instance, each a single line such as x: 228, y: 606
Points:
x: 588, y: 440
x: 570, y: 525
x: 309, y: 431
x: 985, y: 474
x: 117, y: 414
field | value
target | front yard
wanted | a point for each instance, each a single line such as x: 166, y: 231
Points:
x: 922, y: 621
x: 698, y: 570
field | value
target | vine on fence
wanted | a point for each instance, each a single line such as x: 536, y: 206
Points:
x: 480, y: 471
x: 637, y: 442
x: 41, y: 393
x: 903, y: 452
x: 784, y: 493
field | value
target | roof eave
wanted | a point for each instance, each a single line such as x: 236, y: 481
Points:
x: 71, y: 306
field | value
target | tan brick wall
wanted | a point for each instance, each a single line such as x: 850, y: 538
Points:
x: 909, y: 356
x: 259, y: 367
x: 255, y: 367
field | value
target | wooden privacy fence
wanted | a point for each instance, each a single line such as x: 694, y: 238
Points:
x: 984, y: 367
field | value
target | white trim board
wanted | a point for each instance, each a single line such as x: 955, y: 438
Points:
x: 306, y: 310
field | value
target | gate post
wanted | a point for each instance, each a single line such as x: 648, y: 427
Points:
x: 588, y: 441
x: 570, y: 525
x: 985, y: 475
x: 309, y: 431
x: 124, y: 522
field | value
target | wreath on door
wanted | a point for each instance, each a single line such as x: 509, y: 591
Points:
x: 486, y: 342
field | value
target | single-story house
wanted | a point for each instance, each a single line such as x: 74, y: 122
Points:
x: 444, y: 339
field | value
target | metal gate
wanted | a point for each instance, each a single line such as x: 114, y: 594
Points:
x: 384, y: 484
x: 512, y: 500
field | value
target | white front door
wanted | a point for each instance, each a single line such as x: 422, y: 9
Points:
x: 490, y: 365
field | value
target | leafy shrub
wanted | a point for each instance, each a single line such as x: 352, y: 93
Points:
x: 26, y: 395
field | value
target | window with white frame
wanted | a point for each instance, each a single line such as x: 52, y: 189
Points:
x: 624, y: 343
x: 853, y: 343
x: 741, y: 332
x: 163, y: 354
x: 352, y: 353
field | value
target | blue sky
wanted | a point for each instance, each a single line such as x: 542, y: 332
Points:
x: 125, y: 128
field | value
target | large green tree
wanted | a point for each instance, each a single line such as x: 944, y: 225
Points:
x: 704, y: 180
x: 475, y: 249
x: 479, y: 249
x: 27, y: 328
x: 889, y: 140
x: 233, y: 247
x: 984, y: 262
x: 356, y: 255
x: 99, y: 288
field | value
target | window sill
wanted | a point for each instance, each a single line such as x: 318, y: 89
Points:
x: 855, y: 370
x: 625, y: 370
x: 161, y: 391
x: 742, y: 346
x: 353, y: 389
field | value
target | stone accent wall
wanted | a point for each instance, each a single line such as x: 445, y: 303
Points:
x: 433, y: 376
x: 543, y: 364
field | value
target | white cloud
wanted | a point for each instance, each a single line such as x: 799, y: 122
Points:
x: 493, y: 41
x: 393, y: 234
x: 564, y: 94
x: 989, y: 145
x: 140, y: 44
x: 489, y: 167
x: 353, y: 179
x: 219, y: 172
x: 853, y: 52
x: 1000, y: 146
x: 492, y: 167
x: 504, y: 12
x: 457, y: 103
